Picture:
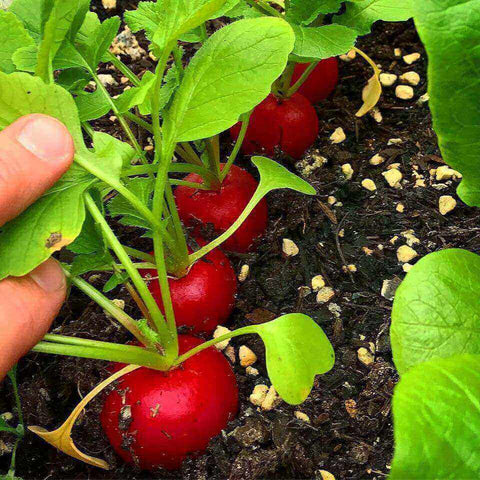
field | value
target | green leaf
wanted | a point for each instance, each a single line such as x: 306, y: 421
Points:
x: 453, y: 99
x: 317, y: 43
x: 114, y: 281
x: 243, y: 10
x: 62, y: 16
x: 435, y: 312
x: 362, y: 14
x: 274, y: 176
x: 118, y: 206
x: 297, y: 349
x: 31, y: 14
x: 231, y: 74
x: 90, y: 240
x: 112, y: 153
x: 13, y: 36
x: 304, y: 12
x: 165, y: 21
x: 136, y: 95
x: 89, y: 263
x: 92, y: 105
x: 74, y: 80
x: 436, y: 413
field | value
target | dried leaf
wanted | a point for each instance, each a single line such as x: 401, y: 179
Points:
x: 373, y: 90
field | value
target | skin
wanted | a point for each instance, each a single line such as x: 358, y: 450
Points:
x: 171, y: 415
x: 35, y: 151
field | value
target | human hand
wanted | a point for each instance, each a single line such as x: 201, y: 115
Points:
x: 35, y: 152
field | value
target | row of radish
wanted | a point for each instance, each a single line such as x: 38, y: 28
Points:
x: 196, y: 401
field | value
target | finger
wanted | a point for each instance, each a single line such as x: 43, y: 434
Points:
x: 35, y: 151
x: 28, y: 306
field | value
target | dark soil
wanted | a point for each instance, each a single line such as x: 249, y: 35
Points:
x: 353, y: 444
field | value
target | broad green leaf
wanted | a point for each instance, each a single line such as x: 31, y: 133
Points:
x: 436, y: 310
x: 362, y: 14
x: 31, y: 14
x: 231, y: 74
x: 436, y: 414
x: 118, y: 206
x: 89, y: 263
x: 25, y: 58
x: 243, y: 10
x: 62, y: 16
x: 317, y: 43
x: 136, y: 95
x: 90, y: 240
x: 165, y: 21
x: 92, y: 105
x: 453, y: 57
x: 304, y: 12
x: 111, y: 152
x: 13, y: 36
x: 297, y: 349
x: 114, y: 281
x: 74, y: 80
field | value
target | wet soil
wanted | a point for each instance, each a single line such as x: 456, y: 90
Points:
x: 350, y: 431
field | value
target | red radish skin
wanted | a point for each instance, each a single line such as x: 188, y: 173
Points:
x: 221, y: 208
x: 157, y: 419
x: 288, y: 124
x: 205, y: 297
x: 321, y: 82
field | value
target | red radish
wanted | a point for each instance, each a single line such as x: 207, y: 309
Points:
x: 222, y: 207
x: 156, y: 419
x: 205, y: 297
x: 321, y: 82
x: 290, y: 124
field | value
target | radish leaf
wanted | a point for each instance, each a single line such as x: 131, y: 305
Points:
x: 436, y: 414
x: 13, y: 36
x: 230, y: 75
x: 304, y: 12
x: 317, y: 43
x: 435, y: 312
x: 362, y: 14
x: 297, y: 349
x: 92, y: 105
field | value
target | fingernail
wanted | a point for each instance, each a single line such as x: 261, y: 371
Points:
x: 46, y: 138
x: 49, y: 276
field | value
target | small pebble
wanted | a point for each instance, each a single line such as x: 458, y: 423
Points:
x: 272, y: 399
x: 247, y: 356
x: 109, y: 4
x: 252, y: 371
x: 331, y: 200
x: 389, y: 287
x: 446, y: 173
x: 318, y: 282
x: 257, y: 397
x: 244, y: 271
x: 347, y: 171
x: 410, y: 238
x: 446, y: 204
x: 365, y: 356
x: 302, y: 416
x: 407, y: 267
x: 395, y: 141
x: 388, y: 79
x: 411, y: 58
x: 412, y: 78
x: 367, y: 251
x: 289, y: 247
x: 424, y: 98
x: 369, y: 184
x: 404, y: 92
x: 325, y: 294
x: 397, y: 52
x: 393, y: 177
x: 106, y: 79
x: 377, y: 159
x: 230, y: 354
x: 338, y: 136
x: 400, y: 208
x: 219, y: 331
x: 351, y: 407
x: 406, y: 253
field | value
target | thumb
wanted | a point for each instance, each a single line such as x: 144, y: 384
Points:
x: 35, y: 151
x: 27, y: 307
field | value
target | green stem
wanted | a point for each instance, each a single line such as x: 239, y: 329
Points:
x: 177, y: 57
x: 88, y: 129
x: 264, y: 8
x: 192, y: 155
x: 133, y: 252
x: 132, y: 271
x: 287, y: 78
x: 237, y: 147
x: 18, y: 405
x: 213, y: 156
x: 126, y: 193
x: 117, y: 313
x: 178, y: 227
x: 203, y: 346
x: 196, y: 186
x: 294, y: 88
x: 107, y: 351
x: 119, y: 65
x: 139, y: 121
x: 229, y: 232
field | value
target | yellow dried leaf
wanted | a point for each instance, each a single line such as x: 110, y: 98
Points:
x: 373, y: 90
x: 62, y: 437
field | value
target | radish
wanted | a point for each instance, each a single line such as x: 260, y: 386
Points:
x: 290, y: 124
x: 321, y: 82
x: 157, y: 419
x: 222, y: 207
x: 204, y: 298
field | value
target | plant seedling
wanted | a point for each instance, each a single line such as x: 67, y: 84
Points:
x: 229, y: 75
